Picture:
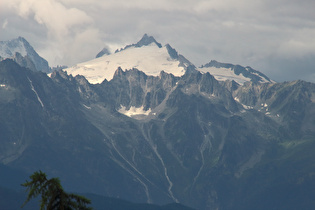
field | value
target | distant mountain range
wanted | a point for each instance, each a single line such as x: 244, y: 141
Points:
x: 145, y: 125
x: 151, y: 57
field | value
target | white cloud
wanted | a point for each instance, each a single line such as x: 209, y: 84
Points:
x: 55, y: 16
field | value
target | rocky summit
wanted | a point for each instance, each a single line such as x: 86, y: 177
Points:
x: 24, y: 54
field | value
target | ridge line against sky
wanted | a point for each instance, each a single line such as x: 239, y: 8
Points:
x: 275, y: 37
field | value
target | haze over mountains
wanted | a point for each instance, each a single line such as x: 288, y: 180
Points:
x: 146, y: 125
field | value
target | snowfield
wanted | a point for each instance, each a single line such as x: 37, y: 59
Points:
x: 133, y: 111
x: 223, y: 74
x: 150, y: 59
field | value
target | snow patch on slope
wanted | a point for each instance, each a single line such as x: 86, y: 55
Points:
x: 244, y: 106
x: 223, y: 74
x: 33, y: 89
x: 150, y: 59
x: 133, y: 111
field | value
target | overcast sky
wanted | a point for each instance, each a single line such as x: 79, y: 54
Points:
x: 276, y: 37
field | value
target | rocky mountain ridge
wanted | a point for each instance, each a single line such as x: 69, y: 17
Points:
x: 226, y: 71
x: 196, y: 144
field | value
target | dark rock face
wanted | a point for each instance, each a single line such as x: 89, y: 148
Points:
x: 104, y: 51
x: 286, y: 101
x: 24, y: 61
x: 144, y: 41
x: 134, y: 88
x: 205, y: 144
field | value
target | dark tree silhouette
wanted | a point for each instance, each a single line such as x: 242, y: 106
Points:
x: 53, y: 197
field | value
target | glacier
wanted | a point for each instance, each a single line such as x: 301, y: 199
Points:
x: 150, y: 59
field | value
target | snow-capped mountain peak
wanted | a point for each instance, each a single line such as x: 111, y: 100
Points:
x: 150, y: 57
x: 144, y: 41
x: 147, y: 55
x: 23, y: 53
